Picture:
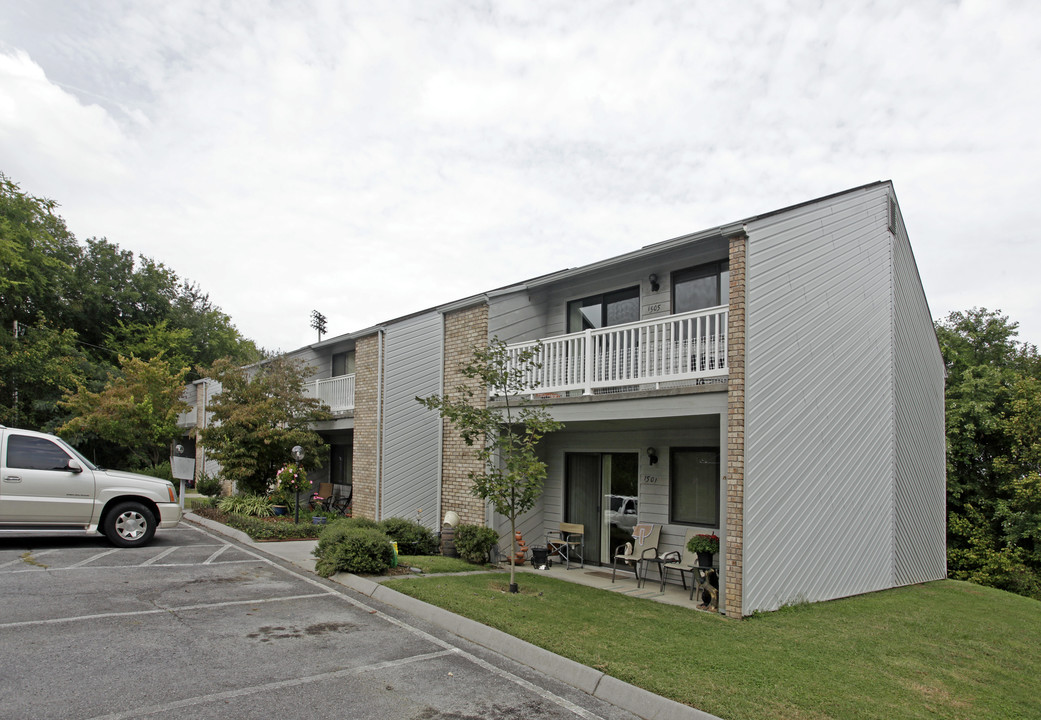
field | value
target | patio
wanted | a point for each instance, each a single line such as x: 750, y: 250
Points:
x: 625, y: 582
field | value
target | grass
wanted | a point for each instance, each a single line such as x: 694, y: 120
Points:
x: 945, y: 649
x: 431, y: 564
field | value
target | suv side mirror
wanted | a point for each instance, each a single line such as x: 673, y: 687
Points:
x: 74, y: 466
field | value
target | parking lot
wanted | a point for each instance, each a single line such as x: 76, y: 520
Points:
x: 196, y: 625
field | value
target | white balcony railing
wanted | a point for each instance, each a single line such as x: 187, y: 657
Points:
x: 689, y: 346
x: 337, y: 392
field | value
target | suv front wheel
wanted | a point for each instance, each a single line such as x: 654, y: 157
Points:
x: 129, y: 524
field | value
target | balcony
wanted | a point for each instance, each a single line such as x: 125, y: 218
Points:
x: 336, y: 392
x: 690, y: 346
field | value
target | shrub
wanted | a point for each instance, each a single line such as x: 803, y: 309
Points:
x: 358, y: 523
x: 412, y: 538
x: 342, y: 548
x: 262, y: 530
x: 161, y: 471
x: 251, y: 505
x: 474, y: 542
x: 209, y: 485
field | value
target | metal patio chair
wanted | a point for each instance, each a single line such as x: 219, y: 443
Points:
x: 644, y: 547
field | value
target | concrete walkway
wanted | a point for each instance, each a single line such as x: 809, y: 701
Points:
x: 636, y: 700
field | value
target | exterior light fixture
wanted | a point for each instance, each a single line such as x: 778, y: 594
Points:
x: 653, y: 455
x: 653, y: 279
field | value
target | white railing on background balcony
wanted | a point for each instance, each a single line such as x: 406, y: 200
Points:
x: 676, y: 347
x: 337, y: 392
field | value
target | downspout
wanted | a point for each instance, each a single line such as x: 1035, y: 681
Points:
x: 440, y: 433
x: 379, y: 423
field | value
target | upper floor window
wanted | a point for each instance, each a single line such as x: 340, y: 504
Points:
x: 604, y: 310
x: 701, y: 287
x: 343, y: 363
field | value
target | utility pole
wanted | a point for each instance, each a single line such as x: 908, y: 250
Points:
x: 14, y: 381
x: 318, y: 323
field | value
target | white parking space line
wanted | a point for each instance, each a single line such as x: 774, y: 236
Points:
x: 93, y: 558
x: 215, y: 555
x: 160, y: 556
x: 77, y: 567
x: 266, y: 687
x: 160, y: 611
x: 544, y: 694
x: 31, y: 554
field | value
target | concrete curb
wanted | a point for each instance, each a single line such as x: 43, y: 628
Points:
x: 639, y: 702
x: 218, y: 528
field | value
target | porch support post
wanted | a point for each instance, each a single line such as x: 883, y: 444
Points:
x: 735, y: 439
x: 588, y: 340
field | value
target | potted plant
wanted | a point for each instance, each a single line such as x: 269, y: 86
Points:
x: 704, y: 546
x: 290, y: 481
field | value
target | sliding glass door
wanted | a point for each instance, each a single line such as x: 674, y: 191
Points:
x: 601, y: 493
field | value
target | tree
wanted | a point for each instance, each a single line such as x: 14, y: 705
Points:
x: 35, y: 369
x: 259, y: 414
x: 137, y: 410
x: 993, y: 405
x: 504, y: 438
x: 68, y: 311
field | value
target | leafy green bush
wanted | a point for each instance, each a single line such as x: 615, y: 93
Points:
x: 342, y: 548
x: 358, y: 523
x: 412, y: 538
x: 208, y: 485
x: 262, y: 530
x: 161, y: 471
x: 250, y: 505
x: 474, y: 542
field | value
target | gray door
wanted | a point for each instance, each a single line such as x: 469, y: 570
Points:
x: 582, y: 499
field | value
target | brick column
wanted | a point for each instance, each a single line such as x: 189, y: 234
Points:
x: 464, y: 330
x: 366, y: 484
x: 735, y: 476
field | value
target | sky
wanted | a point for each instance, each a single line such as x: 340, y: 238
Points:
x: 372, y: 159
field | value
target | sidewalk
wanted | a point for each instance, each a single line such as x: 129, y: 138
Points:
x: 633, y: 699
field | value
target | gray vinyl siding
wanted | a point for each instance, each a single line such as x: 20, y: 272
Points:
x: 542, y: 312
x: 411, y: 434
x: 819, y: 450
x: 920, y: 495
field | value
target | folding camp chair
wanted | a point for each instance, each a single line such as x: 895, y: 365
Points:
x: 644, y: 547
x: 568, y: 542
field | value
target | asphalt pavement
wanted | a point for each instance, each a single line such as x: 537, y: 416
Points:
x: 639, y: 702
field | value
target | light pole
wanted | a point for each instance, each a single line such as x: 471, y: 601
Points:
x: 298, y: 455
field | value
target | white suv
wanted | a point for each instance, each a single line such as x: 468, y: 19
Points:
x: 46, y: 485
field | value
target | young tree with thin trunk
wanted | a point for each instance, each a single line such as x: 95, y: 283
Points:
x: 504, y: 436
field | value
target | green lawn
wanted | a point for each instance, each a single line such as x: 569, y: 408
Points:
x: 431, y: 564
x: 942, y: 650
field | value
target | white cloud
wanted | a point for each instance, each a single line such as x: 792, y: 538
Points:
x: 373, y: 159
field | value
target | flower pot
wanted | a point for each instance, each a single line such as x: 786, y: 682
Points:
x: 280, y: 510
x: 705, y: 559
x: 318, y: 520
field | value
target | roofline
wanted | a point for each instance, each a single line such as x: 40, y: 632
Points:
x: 721, y: 231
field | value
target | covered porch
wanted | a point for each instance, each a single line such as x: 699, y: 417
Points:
x: 599, y: 577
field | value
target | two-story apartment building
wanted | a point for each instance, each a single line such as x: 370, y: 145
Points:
x: 776, y: 381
